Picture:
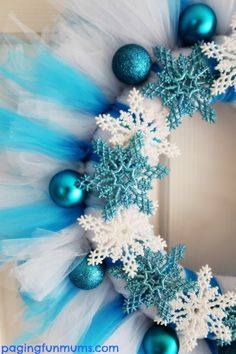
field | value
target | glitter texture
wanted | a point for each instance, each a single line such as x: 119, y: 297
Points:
x: 184, y: 85
x: 86, y: 276
x: 131, y: 64
x: 122, y: 177
x: 158, y: 281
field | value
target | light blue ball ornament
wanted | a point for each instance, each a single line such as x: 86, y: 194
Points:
x: 197, y: 23
x: 63, y: 191
x: 131, y: 64
x: 87, y: 277
x: 160, y: 340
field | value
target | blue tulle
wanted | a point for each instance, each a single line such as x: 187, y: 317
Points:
x: 22, y: 221
x: 104, y: 323
x: 228, y: 97
x: 47, y: 76
x: 41, y: 315
x: 184, y: 4
x: 191, y: 275
x: 21, y: 134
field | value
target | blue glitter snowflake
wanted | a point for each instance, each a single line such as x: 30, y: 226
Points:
x: 184, y: 85
x: 158, y: 280
x: 122, y: 176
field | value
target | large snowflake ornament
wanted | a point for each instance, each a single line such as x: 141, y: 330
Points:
x: 202, y: 312
x: 151, y: 123
x: 183, y: 84
x: 123, y: 238
x: 122, y: 177
x: 158, y: 280
x: 225, y: 55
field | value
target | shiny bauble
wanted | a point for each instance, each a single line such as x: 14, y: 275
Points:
x: 87, y: 277
x: 131, y: 64
x: 160, y: 340
x: 63, y: 191
x: 197, y: 23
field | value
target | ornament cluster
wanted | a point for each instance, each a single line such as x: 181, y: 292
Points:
x: 127, y: 163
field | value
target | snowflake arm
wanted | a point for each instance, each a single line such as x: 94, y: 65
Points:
x: 230, y: 322
x: 124, y: 238
x: 183, y: 85
x: 202, y: 311
x: 159, y: 278
x: 122, y: 177
x: 225, y: 55
x: 152, y: 124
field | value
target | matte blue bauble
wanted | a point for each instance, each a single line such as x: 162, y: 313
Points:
x: 197, y: 23
x: 86, y: 276
x: 160, y: 340
x: 131, y: 64
x: 63, y: 191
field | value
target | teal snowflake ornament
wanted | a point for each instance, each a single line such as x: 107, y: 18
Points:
x: 159, y: 279
x: 122, y: 177
x: 230, y: 322
x: 183, y: 84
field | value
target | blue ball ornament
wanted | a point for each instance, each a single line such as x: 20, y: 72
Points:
x: 131, y: 64
x: 86, y: 276
x: 160, y: 340
x: 63, y: 191
x: 197, y: 23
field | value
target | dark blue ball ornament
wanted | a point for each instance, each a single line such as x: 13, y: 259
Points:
x: 160, y: 340
x: 86, y: 276
x: 197, y: 23
x: 63, y: 191
x: 131, y: 64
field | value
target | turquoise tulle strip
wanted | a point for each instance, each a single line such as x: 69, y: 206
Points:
x: 48, y: 77
x: 228, y: 97
x: 21, y: 134
x: 22, y: 221
x: 104, y: 323
x: 41, y: 315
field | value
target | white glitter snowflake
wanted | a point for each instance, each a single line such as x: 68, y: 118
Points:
x: 138, y: 118
x: 123, y: 238
x: 225, y: 54
x: 201, y: 312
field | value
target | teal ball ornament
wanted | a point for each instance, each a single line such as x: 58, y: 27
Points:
x: 160, y: 340
x: 131, y: 64
x: 63, y: 191
x: 197, y: 23
x: 87, y: 277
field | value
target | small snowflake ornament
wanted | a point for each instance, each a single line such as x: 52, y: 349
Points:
x: 123, y: 238
x: 159, y: 278
x: 152, y: 124
x: 201, y: 312
x: 122, y: 177
x: 225, y: 55
x: 183, y: 84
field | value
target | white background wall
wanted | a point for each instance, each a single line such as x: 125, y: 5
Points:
x: 198, y: 201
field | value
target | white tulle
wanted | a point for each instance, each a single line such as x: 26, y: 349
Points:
x: 76, y: 317
x: 130, y: 334
x: 26, y: 177
x: 43, y: 263
x: 90, y: 32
